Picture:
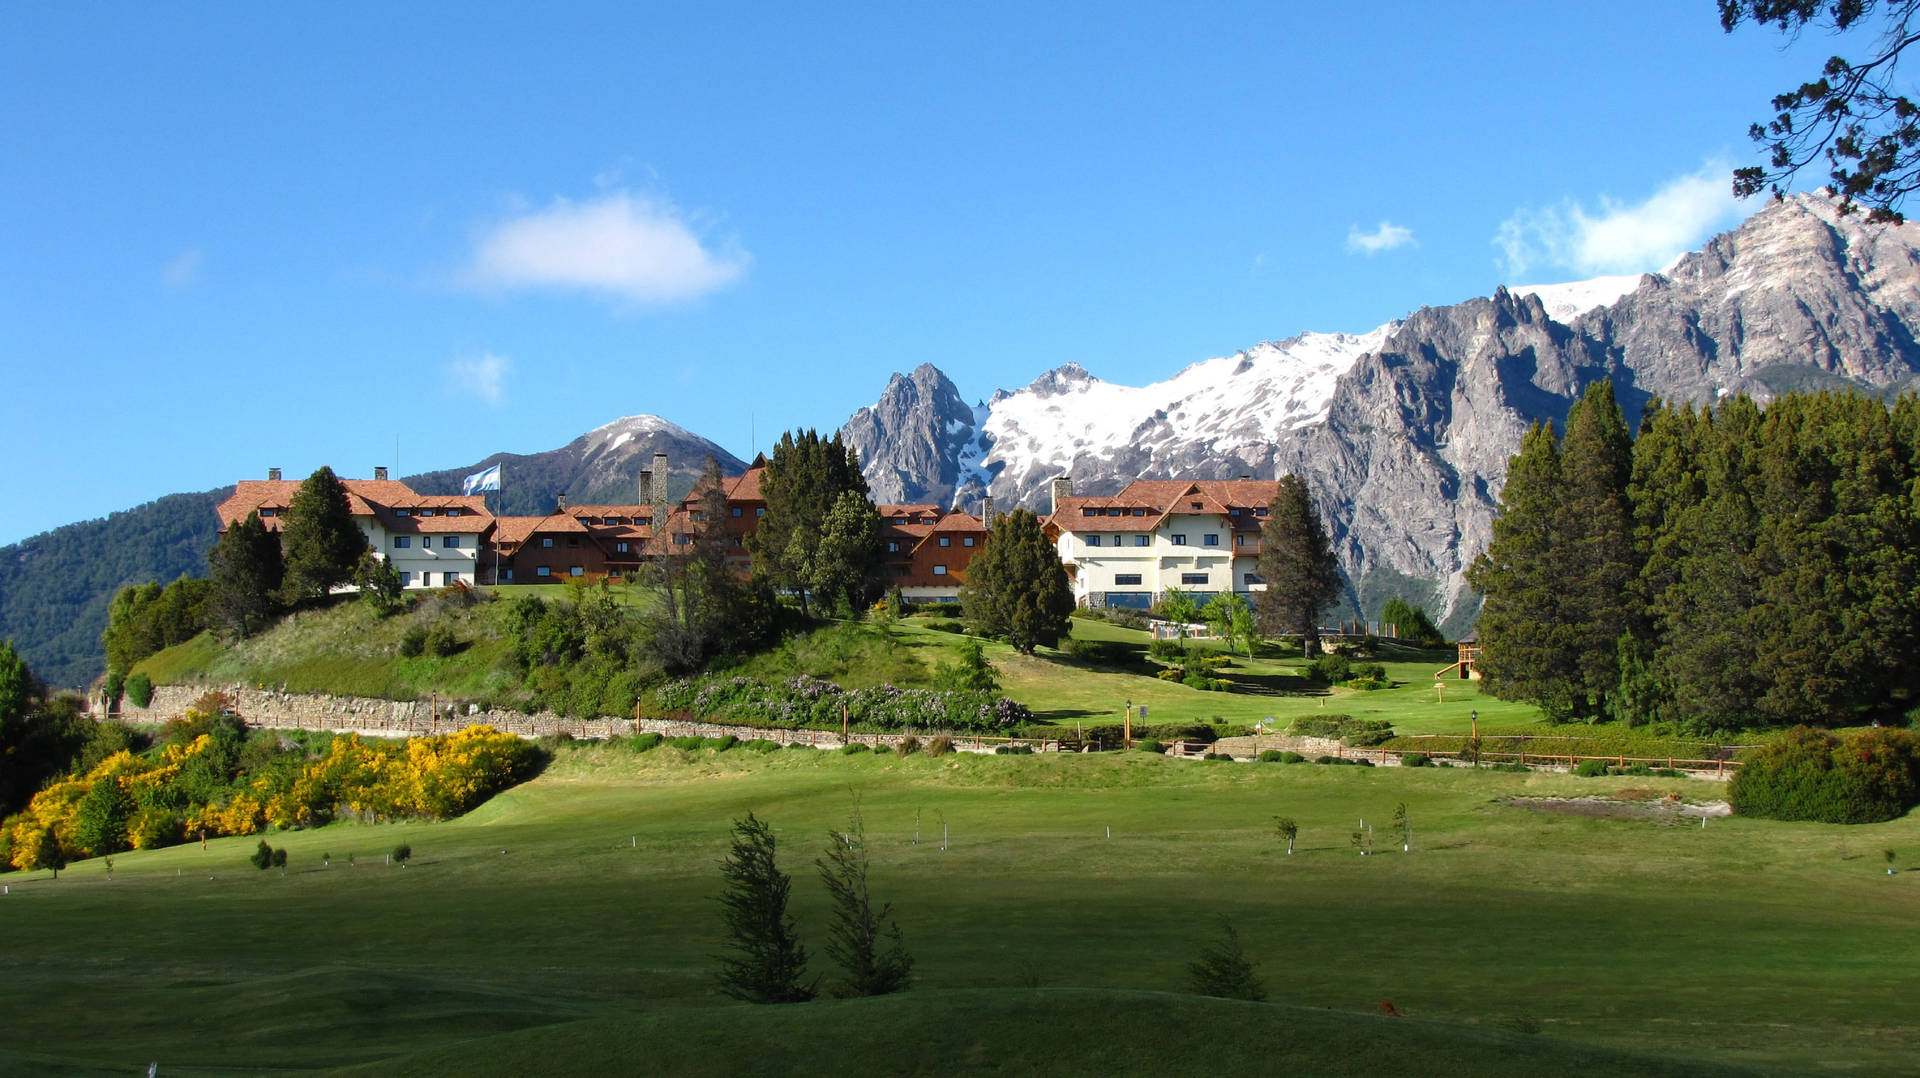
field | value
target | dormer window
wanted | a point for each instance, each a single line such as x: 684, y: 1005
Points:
x: 1140, y: 512
x: 453, y: 512
x: 1196, y: 505
x: 426, y: 512
x: 403, y: 512
x: 268, y: 512
x: 1089, y: 512
x: 1115, y: 511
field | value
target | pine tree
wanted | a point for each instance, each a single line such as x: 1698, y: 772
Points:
x: 1297, y: 563
x: 802, y: 484
x: 320, y: 541
x: 1601, y: 563
x: 380, y: 585
x: 1224, y: 970
x: 771, y: 963
x: 1016, y: 586
x: 864, y: 940
x: 1527, y: 650
x: 247, y: 573
x: 850, y: 548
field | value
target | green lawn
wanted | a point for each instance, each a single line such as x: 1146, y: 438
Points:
x: 567, y: 926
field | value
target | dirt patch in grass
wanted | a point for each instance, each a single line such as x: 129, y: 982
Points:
x: 1628, y: 805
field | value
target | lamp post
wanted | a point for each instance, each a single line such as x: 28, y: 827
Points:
x: 1127, y: 736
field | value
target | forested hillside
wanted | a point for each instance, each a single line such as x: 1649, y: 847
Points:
x: 55, y: 587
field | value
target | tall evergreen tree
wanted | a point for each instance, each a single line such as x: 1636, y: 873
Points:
x: 850, y: 549
x: 1602, y: 564
x: 803, y: 481
x: 1527, y: 648
x: 1017, y: 587
x: 247, y: 575
x: 320, y: 542
x: 1298, y: 565
x: 770, y: 964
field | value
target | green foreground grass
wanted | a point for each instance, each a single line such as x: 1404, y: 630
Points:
x: 568, y: 926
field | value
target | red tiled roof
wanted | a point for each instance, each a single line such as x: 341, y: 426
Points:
x: 745, y: 487
x: 365, y: 498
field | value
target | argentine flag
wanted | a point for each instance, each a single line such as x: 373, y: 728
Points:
x: 482, y: 480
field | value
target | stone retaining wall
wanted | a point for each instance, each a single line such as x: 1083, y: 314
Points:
x: 412, y: 718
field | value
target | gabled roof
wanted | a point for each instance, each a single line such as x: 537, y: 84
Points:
x: 745, y: 487
x: 365, y: 498
x: 1161, y: 497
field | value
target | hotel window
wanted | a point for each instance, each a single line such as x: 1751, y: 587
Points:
x: 1210, y: 539
x: 451, y: 542
x: 968, y: 541
x: 546, y: 540
x: 396, y: 512
x: 736, y: 510
x: 426, y: 512
x: 576, y: 571
x: 1089, y: 512
x: 1093, y: 540
x: 542, y: 571
x: 1193, y: 578
x: 1239, y: 540
x: 271, y: 512
x: 426, y: 541
x: 939, y: 570
x: 899, y: 520
x: 621, y: 547
x: 1115, y: 511
x: 1251, y: 579
x: 406, y: 580
x: 453, y: 512
x: 402, y: 542
x: 450, y: 579
x: 1259, y: 512
x: 573, y: 540
x: 946, y: 541
x: 1143, y: 540
x: 760, y: 512
x: 1179, y: 540
x: 736, y: 541
x: 893, y: 547
x: 1196, y: 505
x: 1140, y: 512
x: 1124, y: 580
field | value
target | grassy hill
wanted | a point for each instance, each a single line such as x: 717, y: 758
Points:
x: 347, y: 650
x: 567, y: 927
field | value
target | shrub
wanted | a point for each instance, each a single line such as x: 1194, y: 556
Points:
x: 1127, y: 618
x: 1590, y: 769
x: 1360, y: 733
x: 723, y: 743
x: 1808, y: 774
x: 403, y: 853
x: 1013, y: 750
x: 1108, y: 653
x: 1218, y: 756
x: 855, y: 747
x: 645, y: 742
x: 441, y: 641
x: 1325, y: 760
x: 1150, y: 745
x: 413, y: 642
x: 1271, y: 756
x: 909, y: 745
x: 947, y: 625
x: 262, y: 856
x: 688, y: 743
x: 939, y: 745
x: 1415, y: 759
x: 280, y: 859
x: 1512, y: 767
x: 1167, y: 650
x: 1292, y: 758
x: 1331, y: 668
x: 883, y: 750
x: 761, y: 744
x: 140, y: 690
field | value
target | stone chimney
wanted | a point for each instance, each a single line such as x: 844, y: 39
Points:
x: 986, y: 510
x: 563, y: 504
x: 379, y: 473
x: 273, y: 475
x: 660, y: 477
x: 646, y: 486
x: 1060, y: 488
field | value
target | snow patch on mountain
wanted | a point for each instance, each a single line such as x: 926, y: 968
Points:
x: 1571, y: 299
x: 1250, y: 397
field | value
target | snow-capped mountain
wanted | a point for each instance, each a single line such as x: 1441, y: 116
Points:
x: 1404, y: 433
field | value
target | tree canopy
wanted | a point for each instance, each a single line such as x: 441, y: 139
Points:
x: 247, y: 574
x: 803, y: 483
x: 1016, y: 586
x: 1854, y: 114
x: 320, y: 542
x: 1298, y: 565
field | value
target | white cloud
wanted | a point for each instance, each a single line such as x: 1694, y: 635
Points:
x: 1383, y: 238
x: 1621, y: 238
x: 620, y: 244
x: 182, y: 270
x: 484, y: 377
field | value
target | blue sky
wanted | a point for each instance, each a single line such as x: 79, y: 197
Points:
x: 235, y: 236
